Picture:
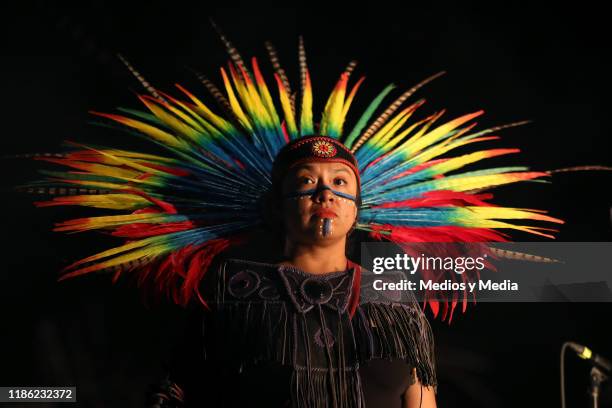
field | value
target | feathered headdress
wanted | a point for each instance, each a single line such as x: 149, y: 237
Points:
x: 178, y: 210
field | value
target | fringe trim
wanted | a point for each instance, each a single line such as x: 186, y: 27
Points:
x: 314, y: 388
x: 396, y: 330
x: 251, y: 332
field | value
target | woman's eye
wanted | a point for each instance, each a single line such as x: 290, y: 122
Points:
x: 306, y: 180
x: 339, y: 182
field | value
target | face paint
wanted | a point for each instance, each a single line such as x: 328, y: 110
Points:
x: 325, y: 224
x: 325, y: 228
x: 311, y: 214
x: 311, y: 192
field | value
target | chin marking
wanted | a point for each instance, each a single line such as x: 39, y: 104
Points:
x: 326, y: 227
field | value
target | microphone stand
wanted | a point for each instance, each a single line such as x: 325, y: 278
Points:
x: 597, y: 377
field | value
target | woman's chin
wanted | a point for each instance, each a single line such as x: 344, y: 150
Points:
x: 314, y: 234
x: 325, y: 237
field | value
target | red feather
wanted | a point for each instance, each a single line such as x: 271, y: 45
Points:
x: 144, y: 230
x: 165, y: 169
x: 167, y: 207
x: 418, y: 168
x: 415, y: 241
x: 354, y: 300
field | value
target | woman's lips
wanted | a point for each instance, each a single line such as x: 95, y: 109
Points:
x: 325, y: 213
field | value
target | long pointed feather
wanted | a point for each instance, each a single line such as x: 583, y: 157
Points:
x: 378, y: 122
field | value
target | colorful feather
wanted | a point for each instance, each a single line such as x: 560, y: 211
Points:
x: 280, y: 73
x: 145, y: 84
x: 306, y: 124
x: 378, y: 122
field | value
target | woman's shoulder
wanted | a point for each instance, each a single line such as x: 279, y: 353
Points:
x: 231, y: 264
x: 385, y: 289
x: 238, y: 277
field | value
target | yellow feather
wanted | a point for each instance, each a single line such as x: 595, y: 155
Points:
x: 265, y: 94
x: 109, y: 221
x: 333, y: 107
x: 390, y: 126
x: 392, y: 133
x: 191, y: 117
x: 108, y: 201
x: 508, y: 213
x: 114, y: 251
x: 216, y: 120
x: 149, y: 252
x: 286, y: 105
x: 96, y: 184
x: 461, y: 161
x: 234, y: 102
x: 172, y: 121
x: 440, y: 149
x: 417, y: 144
x: 349, y: 100
x: 101, y: 169
x: 251, y: 100
x: 129, y: 163
x: 152, y: 131
x: 427, y: 123
x: 478, y: 182
x: 400, y: 136
x: 306, y: 124
x: 138, y: 155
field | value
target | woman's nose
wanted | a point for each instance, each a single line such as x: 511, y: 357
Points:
x: 324, y: 194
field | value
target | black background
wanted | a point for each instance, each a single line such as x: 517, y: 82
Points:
x: 547, y: 64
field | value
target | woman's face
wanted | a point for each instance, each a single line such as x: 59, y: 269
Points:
x: 318, y: 209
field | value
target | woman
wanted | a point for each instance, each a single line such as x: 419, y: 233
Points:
x: 319, y: 210
x: 295, y: 330
x: 294, y: 333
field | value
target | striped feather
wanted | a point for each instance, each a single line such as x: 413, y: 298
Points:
x: 215, y: 92
x: 231, y: 50
x: 145, y: 84
x: 280, y: 72
x: 378, y: 122
x: 306, y: 124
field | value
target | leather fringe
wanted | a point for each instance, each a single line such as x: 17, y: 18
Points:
x: 312, y: 389
x: 397, y: 330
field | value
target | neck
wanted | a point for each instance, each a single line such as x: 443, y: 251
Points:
x: 317, y: 259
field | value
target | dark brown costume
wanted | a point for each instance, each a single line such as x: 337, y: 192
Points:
x: 277, y: 336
